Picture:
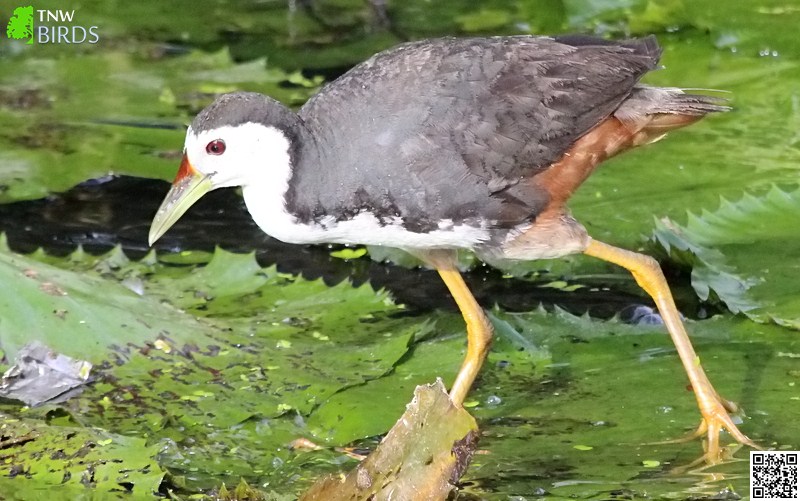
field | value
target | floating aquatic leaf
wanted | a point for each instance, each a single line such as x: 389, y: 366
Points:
x: 63, y: 310
x: 40, y: 457
x: 745, y: 252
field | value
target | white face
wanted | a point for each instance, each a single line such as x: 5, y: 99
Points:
x: 239, y: 155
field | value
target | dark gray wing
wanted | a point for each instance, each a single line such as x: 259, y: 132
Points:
x: 446, y: 128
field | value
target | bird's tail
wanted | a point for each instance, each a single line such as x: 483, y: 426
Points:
x: 651, y: 112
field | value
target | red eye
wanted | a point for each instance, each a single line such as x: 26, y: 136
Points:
x: 216, y: 147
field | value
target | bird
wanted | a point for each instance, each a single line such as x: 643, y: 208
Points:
x: 454, y: 143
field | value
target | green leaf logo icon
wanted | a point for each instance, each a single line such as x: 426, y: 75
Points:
x: 20, y: 26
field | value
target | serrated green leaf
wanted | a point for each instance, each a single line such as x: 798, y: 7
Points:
x: 342, y: 418
x: 63, y: 310
x: 746, y: 253
x: 72, y: 459
x: 228, y: 400
x: 270, y: 345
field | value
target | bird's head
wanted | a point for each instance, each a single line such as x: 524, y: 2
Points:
x: 238, y: 140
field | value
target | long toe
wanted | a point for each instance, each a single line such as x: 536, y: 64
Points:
x: 715, y: 419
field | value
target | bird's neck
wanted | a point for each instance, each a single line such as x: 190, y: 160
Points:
x: 292, y: 149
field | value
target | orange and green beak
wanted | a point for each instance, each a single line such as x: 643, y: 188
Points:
x: 189, y: 186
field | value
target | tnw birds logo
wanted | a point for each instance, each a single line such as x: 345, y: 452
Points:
x: 49, y: 27
x: 20, y: 26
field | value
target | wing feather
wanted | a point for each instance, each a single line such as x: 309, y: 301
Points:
x: 444, y: 129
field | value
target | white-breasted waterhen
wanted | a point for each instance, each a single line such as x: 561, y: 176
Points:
x: 446, y: 144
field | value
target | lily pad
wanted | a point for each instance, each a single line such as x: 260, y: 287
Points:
x: 72, y: 459
x: 62, y: 310
x: 343, y: 418
x: 222, y: 400
x: 745, y: 253
x: 256, y: 345
x: 620, y: 389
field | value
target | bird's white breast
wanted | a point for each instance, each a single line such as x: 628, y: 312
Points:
x: 270, y: 214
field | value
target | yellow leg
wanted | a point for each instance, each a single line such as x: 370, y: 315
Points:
x: 648, y: 275
x: 479, y: 329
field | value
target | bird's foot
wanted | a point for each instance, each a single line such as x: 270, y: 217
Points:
x: 716, y: 416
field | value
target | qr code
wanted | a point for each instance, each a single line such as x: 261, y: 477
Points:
x: 773, y: 475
